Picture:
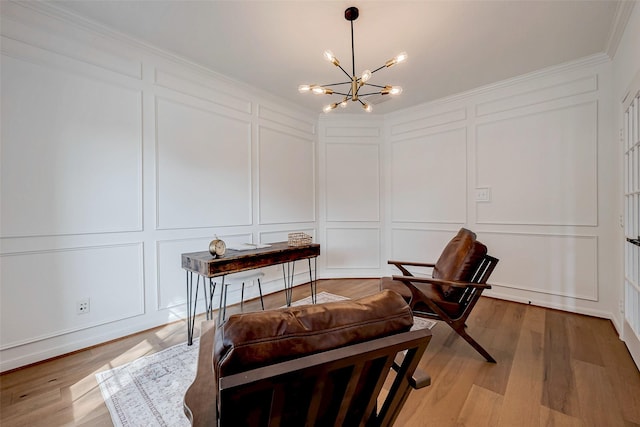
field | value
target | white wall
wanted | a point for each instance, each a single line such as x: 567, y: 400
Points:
x: 115, y: 160
x: 540, y: 143
x: 351, y: 201
x: 626, y: 68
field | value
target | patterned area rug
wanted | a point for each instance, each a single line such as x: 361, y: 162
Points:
x: 149, y: 391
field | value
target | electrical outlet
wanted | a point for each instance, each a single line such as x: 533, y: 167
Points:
x: 483, y: 194
x: 82, y: 306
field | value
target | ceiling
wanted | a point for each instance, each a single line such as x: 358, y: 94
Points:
x: 453, y: 46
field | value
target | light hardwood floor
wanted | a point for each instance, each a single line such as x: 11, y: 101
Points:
x: 554, y: 369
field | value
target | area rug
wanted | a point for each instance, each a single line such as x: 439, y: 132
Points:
x: 149, y: 390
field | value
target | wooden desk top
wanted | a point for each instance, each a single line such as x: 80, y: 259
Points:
x: 234, y: 261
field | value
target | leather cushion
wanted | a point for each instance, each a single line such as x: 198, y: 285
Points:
x: 250, y: 340
x: 458, y: 261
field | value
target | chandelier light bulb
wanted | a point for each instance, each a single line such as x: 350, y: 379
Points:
x: 329, y: 56
x: 304, y: 88
x: 329, y: 107
x: 395, y: 90
x: 367, y: 108
x: 343, y: 104
x: 366, y: 75
x: 318, y: 90
x: 397, y: 59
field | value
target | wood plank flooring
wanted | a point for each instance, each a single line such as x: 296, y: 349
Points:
x: 554, y: 369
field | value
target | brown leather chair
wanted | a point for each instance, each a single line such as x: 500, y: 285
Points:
x: 323, y: 364
x: 456, y: 283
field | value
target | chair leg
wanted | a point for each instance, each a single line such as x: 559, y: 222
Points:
x: 260, y: 290
x: 242, y: 298
x: 474, y: 344
x: 223, y: 298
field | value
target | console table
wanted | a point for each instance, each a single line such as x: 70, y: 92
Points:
x: 205, y: 266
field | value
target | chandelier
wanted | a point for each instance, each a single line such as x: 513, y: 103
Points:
x: 356, y: 89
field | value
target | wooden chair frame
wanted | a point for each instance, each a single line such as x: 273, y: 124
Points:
x: 472, y: 291
x: 400, y: 352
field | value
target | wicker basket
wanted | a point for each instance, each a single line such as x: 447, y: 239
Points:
x: 299, y: 239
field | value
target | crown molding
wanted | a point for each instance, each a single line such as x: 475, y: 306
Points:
x: 69, y: 18
x: 587, y: 61
x: 623, y: 13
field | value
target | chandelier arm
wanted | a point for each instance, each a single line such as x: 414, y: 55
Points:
x: 336, y: 84
x: 344, y: 71
x: 368, y: 94
x: 340, y: 93
x: 381, y: 87
x: 378, y: 69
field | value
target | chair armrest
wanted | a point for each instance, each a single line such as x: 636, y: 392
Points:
x: 442, y: 282
x: 401, y: 265
x: 419, y: 379
x: 411, y: 263
x: 200, y: 400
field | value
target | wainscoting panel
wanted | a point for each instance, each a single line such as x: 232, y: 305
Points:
x: 352, y: 248
x: 171, y: 288
x: 50, y: 120
x: 569, y: 263
x: 420, y: 245
x: 353, y: 182
x: 429, y: 178
x: 199, y: 153
x: 279, y: 116
x: 287, y: 177
x: 545, y: 93
x: 431, y: 120
x: 541, y: 168
x: 40, y: 290
x: 192, y: 84
x: 349, y: 132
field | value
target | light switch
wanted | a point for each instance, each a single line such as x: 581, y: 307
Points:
x: 483, y: 194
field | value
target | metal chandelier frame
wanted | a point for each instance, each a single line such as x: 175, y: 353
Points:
x: 356, y: 83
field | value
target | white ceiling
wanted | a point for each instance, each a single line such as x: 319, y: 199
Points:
x: 453, y: 46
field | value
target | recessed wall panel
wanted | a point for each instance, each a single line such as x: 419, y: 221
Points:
x: 286, y: 119
x: 286, y: 164
x: 171, y: 276
x: 194, y: 85
x: 40, y: 290
x: 71, y: 152
x: 203, y: 167
x: 353, y: 182
x: 419, y: 245
x: 429, y: 178
x: 429, y: 121
x: 353, y: 248
x: 541, y: 168
x: 570, y: 263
